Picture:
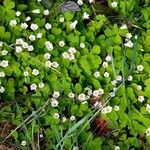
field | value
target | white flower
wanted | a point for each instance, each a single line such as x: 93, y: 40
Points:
x: 114, y: 4
x: 39, y: 35
x: 106, y: 74
x: 82, y: 45
x: 61, y: 19
x: 128, y: 35
x: 35, y: 72
x: 61, y: 43
x: 19, y: 41
x: 23, y: 143
x: 130, y: 78
x: 86, y: 15
x: 2, y: 74
x: 105, y: 64
x: 49, y: 45
x: 64, y: 119
x: 13, y: 23
x: 41, y: 85
x: 56, y: 115
x: 108, y: 58
x: 24, y: 25
x: 28, y: 18
x: 148, y: 108
x: 48, y: 64
x: 48, y: 26
x: 54, y: 103
x: 91, y: 1
x: 75, y: 148
x: 26, y: 73
x: 141, y: 99
x: 119, y: 78
x: 95, y: 93
x: 32, y: 37
x: 2, y: 89
x: 46, y: 12
x: 142, y: 50
x: 39, y: 0
x: 80, y: 2
x: 33, y: 86
x: 139, y: 87
x: 36, y: 11
x: 4, y: 53
x: 47, y: 56
x: 65, y: 55
x: 56, y: 94
x: 30, y: 48
x: 25, y: 45
x: 55, y: 64
x: 73, y: 24
x: 18, y: 49
x: 116, y: 108
x: 128, y: 44
x: 114, y: 89
x: 124, y: 26
x: 72, y: 50
x: 82, y: 97
x: 90, y: 92
x: 71, y: 95
x: 108, y: 109
x: 114, y: 82
x: 101, y: 91
x: 117, y: 148
x: 71, y: 57
x: 104, y: 111
x: 1, y: 43
x: 18, y: 13
x: 72, y: 118
x: 140, y: 67
x: 41, y: 135
x: 148, y: 132
x: 34, y: 26
x: 112, y: 94
x: 96, y: 74
x: 4, y: 63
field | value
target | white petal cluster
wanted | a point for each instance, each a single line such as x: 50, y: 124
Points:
x: 148, y: 132
x: 82, y: 97
x: 2, y: 74
x: 114, y: 4
x: 106, y: 110
x: 56, y: 115
x: 141, y: 99
x: 71, y: 95
x: 86, y: 15
x: 13, y: 23
x: 35, y: 72
x: 96, y: 74
x: 148, y: 108
x: 2, y: 90
x: 72, y: 118
x: 49, y: 45
x: 34, y: 26
x: 54, y: 103
x: 56, y: 94
x: 33, y: 86
x: 73, y: 24
x: 48, y: 26
x: 24, y: 25
x: 4, y: 63
x: 61, y: 43
x: 140, y: 68
x: 80, y: 2
x: 4, y: 52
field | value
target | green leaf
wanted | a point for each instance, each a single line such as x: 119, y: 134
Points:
x: 47, y: 3
x: 78, y: 88
x: 68, y: 16
x: 96, y: 49
x: 9, y: 4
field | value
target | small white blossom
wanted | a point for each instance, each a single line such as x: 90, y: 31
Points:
x: 61, y: 19
x: 141, y: 99
x: 117, y: 148
x: 96, y: 93
x: 24, y: 25
x: 1, y: 43
x: 148, y: 132
x: 49, y: 45
x: 115, y: 89
x: 36, y: 11
x: 71, y: 57
x: 23, y: 143
x: 105, y: 64
x: 136, y: 37
x: 48, y: 64
x: 114, y: 4
x: 55, y: 64
x: 108, y: 58
x: 13, y: 23
x: 61, y: 43
x: 140, y: 67
x: 46, y: 12
x: 47, y: 56
x: 91, y: 1
x: 35, y: 72
x: 139, y: 87
x: 65, y: 55
x: 124, y: 26
x: 4, y: 63
x: 72, y: 118
x: 114, y: 82
x: 73, y: 24
x: 28, y: 18
x: 80, y: 2
x: 90, y: 92
x: 18, y: 49
x: 56, y: 115
x: 82, y: 45
x: 2, y: 74
x: 148, y: 108
x: 32, y: 37
x: 96, y: 74
x: 41, y: 85
x: 108, y: 109
x: 41, y: 135
x: 101, y: 91
x: 142, y: 50
x: 4, y: 53
x: 82, y: 97
x: 72, y: 50
x: 86, y: 15
x: 71, y: 95
x: 112, y: 94
x: 2, y: 90
x: 18, y: 13
x: 30, y: 48
x: 106, y: 74
x: 48, y: 26
x: 75, y: 148
x: 56, y: 94
x: 25, y: 45
x: 130, y: 78
x: 39, y: 0
x: 54, y: 103
x: 64, y: 119
x: 19, y: 41
x: 128, y: 35
x: 26, y: 73
x: 119, y: 78
x: 34, y: 26
x: 128, y: 44
x: 116, y: 108
x: 33, y: 86
x: 39, y: 35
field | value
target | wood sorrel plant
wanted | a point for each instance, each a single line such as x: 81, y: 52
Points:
x: 75, y: 80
